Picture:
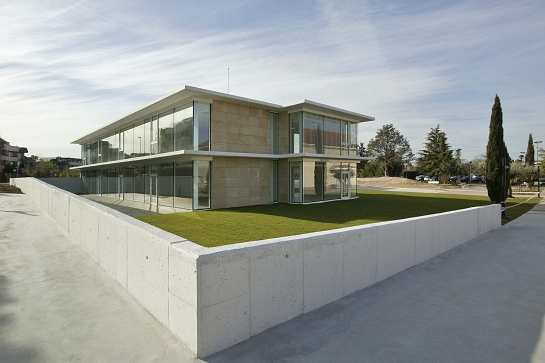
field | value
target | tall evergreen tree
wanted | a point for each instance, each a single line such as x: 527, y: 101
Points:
x: 391, y: 147
x: 495, y: 152
x: 436, y: 158
x: 530, y: 152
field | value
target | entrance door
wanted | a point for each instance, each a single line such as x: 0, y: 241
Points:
x: 345, y: 184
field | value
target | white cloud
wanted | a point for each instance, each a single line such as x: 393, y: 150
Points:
x: 81, y: 65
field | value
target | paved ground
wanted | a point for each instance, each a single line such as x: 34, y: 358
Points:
x: 483, y: 301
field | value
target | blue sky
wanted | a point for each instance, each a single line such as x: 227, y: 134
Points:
x: 68, y: 67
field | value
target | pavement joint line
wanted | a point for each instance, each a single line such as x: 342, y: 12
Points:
x: 460, y: 312
x: 37, y: 282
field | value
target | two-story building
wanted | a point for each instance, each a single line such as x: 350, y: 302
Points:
x: 200, y: 149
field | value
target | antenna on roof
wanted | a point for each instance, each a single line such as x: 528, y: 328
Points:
x: 227, y: 80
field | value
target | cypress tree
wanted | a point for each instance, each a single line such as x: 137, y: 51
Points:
x: 495, y: 152
x: 530, y: 151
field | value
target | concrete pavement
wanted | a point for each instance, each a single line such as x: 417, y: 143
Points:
x: 483, y: 301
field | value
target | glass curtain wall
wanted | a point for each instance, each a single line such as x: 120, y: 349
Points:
x: 313, y: 126
x: 183, y: 185
x: 202, y: 126
x: 332, y: 136
x: 166, y: 132
x: 154, y: 137
x: 353, y: 139
x: 201, y: 184
x: 140, y: 177
x: 332, y: 181
x: 183, y: 127
x: 128, y: 142
x: 165, y: 184
x: 344, y: 138
x: 274, y: 181
x: 313, y: 182
x: 296, y: 131
x: 296, y: 195
x: 128, y: 183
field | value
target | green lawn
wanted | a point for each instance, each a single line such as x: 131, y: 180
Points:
x: 227, y: 226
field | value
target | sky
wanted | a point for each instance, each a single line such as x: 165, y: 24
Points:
x: 70, y: 67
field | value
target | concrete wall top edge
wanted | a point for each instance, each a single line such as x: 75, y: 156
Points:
x: 273, y: 242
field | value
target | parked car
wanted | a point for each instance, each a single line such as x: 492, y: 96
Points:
x: 432, y: 178
x: 476, y: 178
x: 426, y: 178
x: 464, y: 179
x: 454, y: 178
x: 483, y: 179
x: 419, y: 178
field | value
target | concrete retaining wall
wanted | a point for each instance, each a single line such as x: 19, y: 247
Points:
x: 213, y: 298
x: 72, y: 185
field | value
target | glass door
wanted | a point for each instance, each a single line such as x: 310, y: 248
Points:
x: 153, y: 189
x: 345, y: 184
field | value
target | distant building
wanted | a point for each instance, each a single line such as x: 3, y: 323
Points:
x: 64, y: 163
x: 11, y: 155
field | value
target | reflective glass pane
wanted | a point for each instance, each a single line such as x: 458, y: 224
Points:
x: 312, y: 133
x: 140, y: 177
x: 201, y: 184
x: 296, y: 125
x: 202, y: 125
x: 344, y: 138
x: 332, y: 174
x: 128, y: 183
x: 274, y: 181
x: 313, y: 182
x: 112, y: 147
x: 332, y: 136
x: 183, y: 185
x: 183, y: 127
x: 353, y: 139
x: 104, y: 150
x: 166, y: 132
x: 154, y: 148
x: 295, y: 183
x: 141, y: 144
x: 128, y: 143
x: 165, y: 184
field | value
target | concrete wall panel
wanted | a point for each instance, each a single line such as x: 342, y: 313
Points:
x: 485, y: 218
x: 224, y: 324
x: 385, y: 251
x: 423, y: 239
x: 276, y: 285
x: 183, y: 321
x: 360, y: 259
x: 74, y: 219
x: 89, y: 230
x: 183, y: 275
x: 404, y: 244
x: 107, y: 243
x: 148, y: 272
x: 72, y: 185
x: 223, y: 277
x: 323, y: 270
x: 122, y: 256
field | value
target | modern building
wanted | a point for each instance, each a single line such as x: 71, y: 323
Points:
x: 64, y: 162
x: 200, y: 149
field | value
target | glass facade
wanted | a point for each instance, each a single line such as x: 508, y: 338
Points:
x: 173, y: 130
x: 313, y: 181
x: 317, y: 134
x: 183, y: 185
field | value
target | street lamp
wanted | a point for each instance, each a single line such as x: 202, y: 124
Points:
x: 537, y: 162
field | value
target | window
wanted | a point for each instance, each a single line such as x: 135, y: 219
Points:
x: 296, y: 195
x: 313, y: 126
x: 166, y: 132
x: 183, y: 127
x: 296, y: 125
x: 313, y: 181
x: 332, y: 136
x: 202, y: 126
x: 201, y: 184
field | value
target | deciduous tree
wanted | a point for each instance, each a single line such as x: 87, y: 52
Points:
x: 392, y: 148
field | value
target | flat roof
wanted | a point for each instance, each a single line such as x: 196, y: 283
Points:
x: 189, y: 93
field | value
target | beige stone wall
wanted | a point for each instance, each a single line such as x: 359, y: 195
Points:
x: 283, y: 181
x: 237, y: 128
x: 283, y: 133
x: 238, y: 182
